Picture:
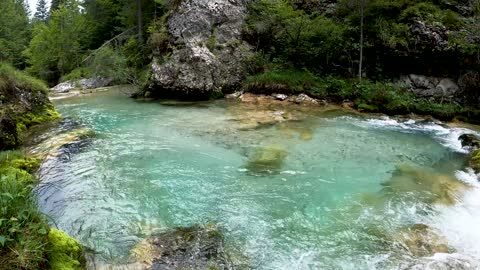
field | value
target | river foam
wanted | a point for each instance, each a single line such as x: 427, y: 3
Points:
x: 459, y: 223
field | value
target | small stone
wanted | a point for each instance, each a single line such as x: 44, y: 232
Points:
x: 235, y: 95
x: 304, y: 99
x: 281, y: 97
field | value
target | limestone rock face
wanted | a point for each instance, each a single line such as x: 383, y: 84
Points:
x: 431, y: 87
x: 82, y: 84
x: 207, y: 57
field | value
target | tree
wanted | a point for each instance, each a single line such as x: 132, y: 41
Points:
x: 140, y: 21
x: 41, y: 14
x: 56, y: 48
x: 360, y: 6
x: 14, y: 31
x: 56, y: 4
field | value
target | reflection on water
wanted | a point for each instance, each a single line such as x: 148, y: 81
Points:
x: 289, y: 189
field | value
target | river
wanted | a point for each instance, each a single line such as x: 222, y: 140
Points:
x: 330, y: 190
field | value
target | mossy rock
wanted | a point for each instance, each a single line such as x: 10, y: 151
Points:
x: 267, y: 159
x: 64, y: 252
x: 470, y: 140
x: 475, y: 161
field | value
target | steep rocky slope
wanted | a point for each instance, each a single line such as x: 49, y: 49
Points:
x: 23, y: 103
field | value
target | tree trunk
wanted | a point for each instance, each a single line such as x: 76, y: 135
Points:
x: 140, y: 21
x: 360, y: 68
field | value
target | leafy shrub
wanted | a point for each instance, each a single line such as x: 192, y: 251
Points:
x: 288, y: 81
x: 432, y: 14
x: 77, y: 74
x: 279, y: 30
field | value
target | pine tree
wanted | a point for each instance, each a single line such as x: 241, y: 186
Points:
x: 56, y: 4
x: 41, y: 14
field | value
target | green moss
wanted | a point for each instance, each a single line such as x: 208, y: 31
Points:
x: 367, y: 108
x: 29, y: 119
x: 475, y: 161
x: 65, y: 253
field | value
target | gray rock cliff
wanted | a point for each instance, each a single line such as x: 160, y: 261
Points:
x: 209, y: 59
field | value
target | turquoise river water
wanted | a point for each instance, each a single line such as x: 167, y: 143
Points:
x: 322, y: 203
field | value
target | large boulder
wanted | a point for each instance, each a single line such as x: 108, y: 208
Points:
x: 429, y: 36
x: 207, y: 57
x: 420, y: 241
x: 197, y: 247
x: 443, y: 89
x: 90, y: 83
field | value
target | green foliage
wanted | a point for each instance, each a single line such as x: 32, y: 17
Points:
x: 290, y: 34
x: 56, y: 47
x: 109, y: 62
x: 367, y: 95
x: 23, y: 230
x: 288, y: 81
x: 14, y: 31
x: 11, y: 78
x: 432, y: 14
x: 77, y: 74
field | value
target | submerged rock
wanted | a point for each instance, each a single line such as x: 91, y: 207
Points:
x: 197, y: 247
x: 470, y: 140
x: 59, y: 139
x: 267, y: 159
x: 420, y: 240
x: 435, y: 188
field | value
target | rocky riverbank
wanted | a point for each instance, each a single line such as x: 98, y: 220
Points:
x: 23, y: 103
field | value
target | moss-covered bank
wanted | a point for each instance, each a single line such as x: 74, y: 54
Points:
x: 23, y: 103
x: 26, y: 240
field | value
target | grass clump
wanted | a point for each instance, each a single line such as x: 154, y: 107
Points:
x: 23, y: 229
x: 289, y: 81
x: 11, y: 78
x: 26, y: 240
